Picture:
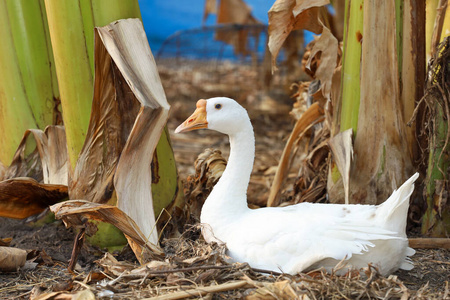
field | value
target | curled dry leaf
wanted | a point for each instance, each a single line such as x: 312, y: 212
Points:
x: 114, y: 111
x: 12, y: 258
x: 341, y: 146
x: 117, y: 268
x: 23, y: 197
x: 134, y: 170
x: 314, y: 114
x: 112, y: 266
x: 209, y: 167
x: 129, y: 112
x: 328, y: 46
x: 37, y: 176
x: 75, y: 212
x: 41, y: 155
x: 288, y: 15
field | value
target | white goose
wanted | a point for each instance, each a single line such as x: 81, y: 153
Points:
x: 299, y: 237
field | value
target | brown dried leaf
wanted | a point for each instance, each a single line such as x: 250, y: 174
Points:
x: 335, y: 99
x: 75, y: 212
x: 114, y: 110
x: 86, y: 294
x: 124, y: 40
x: 23, y: 197
x: 301, y: 99
x: 5, y: 242
x: 112, y: 266
x: 94, y: 276
x: 235, y: 12
x: 210, y: 8
x: 275, y: 290
x: 41, y: 155
x: 327, y: 46
x: 341, y: 146
x: 209, y: 167
x: 52, y: 147
x: 288, y: 15
x: 313, y: 115
x: 128, y: 116
x: 154, y: 265
x: 11, y: 259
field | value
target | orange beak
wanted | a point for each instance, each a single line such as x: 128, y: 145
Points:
x: 197, y: 120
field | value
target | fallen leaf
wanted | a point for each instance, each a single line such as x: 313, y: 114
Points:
x: 75, y: 212
x: 154, y: 265
x: 94, y: 276
x: 86, y: 294
x: 12, y: 259
x: 5, y: 242
x: 47, y: 260
x: 112, y: 266
x: 37, y: 176
x: 23, y: 197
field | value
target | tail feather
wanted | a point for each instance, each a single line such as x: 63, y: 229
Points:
x: 395, y: 209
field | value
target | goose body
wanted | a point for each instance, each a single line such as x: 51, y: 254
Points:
x: 300, y: 237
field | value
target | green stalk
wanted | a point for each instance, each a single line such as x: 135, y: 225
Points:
x: 438, y: 163
x: 431, y: 11
x: 165, y: 188
x: 351, y: 65
x: 371, y: 91
x: 71, y: 26
x: 74, y: 72
x: 27, y: 80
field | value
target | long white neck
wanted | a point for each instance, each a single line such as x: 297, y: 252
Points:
x: 229, y: 196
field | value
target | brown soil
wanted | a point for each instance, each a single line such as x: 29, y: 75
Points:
x: 428, y: 280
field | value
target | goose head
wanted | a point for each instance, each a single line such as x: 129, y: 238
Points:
x: 221, y: 114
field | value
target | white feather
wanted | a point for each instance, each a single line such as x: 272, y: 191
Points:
x: 303, y: 236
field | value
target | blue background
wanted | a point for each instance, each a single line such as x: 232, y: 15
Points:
x: 163, y: 18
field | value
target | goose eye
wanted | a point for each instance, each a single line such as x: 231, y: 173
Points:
x: 218, y: 106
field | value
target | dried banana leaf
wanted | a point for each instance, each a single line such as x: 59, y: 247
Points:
x: 37, y: 176
x: 74, y: 213
x: 128, y: 116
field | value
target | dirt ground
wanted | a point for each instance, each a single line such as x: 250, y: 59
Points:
x: 50, y: 245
